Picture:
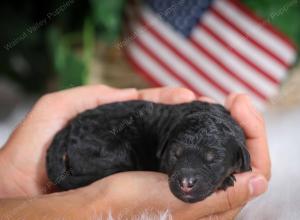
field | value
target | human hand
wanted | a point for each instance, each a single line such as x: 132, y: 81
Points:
x: 220, y: 205
x: 22, y: 160
x: 113, y: 191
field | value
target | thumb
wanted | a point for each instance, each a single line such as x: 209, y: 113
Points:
x: 247, y: 186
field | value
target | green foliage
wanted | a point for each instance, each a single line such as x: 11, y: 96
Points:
x: 283, y: 14
x: 72, y: 67
x: 107, y: 16
x: 61, y: 46
x: 102, y: 19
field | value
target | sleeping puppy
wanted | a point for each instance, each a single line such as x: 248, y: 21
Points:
x: 198, y: 145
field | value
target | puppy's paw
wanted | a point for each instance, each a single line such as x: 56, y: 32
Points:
x: 229, y: 181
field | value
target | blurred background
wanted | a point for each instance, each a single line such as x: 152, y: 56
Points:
x: 212, y: 47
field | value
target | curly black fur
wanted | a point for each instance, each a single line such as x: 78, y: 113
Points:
x: 197, y: 144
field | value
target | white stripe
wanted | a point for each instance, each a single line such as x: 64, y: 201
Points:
x: 251, y: 51
x: 201, y: 60
x: 156, y: 71
x: 233, y: 62
x: 178, y: 65
x: 218, y: 74
x: 177, y: 40
x: 251, y: 27
x: 261, y: 106
x: 165, y: 78
x: 192, y: 54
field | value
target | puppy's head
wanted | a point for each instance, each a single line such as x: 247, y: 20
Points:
x: 201, y: 153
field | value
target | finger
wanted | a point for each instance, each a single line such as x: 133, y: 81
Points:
x: 207, y: 99
x: 167, y: 95
x: 243, y: 111
x: 54, y: 110
x: 58, y: 108
x: 229, y: 100
x: 247, y: 186
x: 68, y: 103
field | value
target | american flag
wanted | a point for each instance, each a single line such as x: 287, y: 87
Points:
x: 212, y: 47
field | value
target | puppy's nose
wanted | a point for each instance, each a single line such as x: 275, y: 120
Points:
x: 187, y: 183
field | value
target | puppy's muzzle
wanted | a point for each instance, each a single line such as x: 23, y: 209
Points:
x: 190, y: 185
x: 187, y: 183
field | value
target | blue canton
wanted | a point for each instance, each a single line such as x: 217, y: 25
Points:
x: 182, y: 15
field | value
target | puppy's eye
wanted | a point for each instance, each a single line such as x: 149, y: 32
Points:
x: 210, y: 156
x: 178, y: 152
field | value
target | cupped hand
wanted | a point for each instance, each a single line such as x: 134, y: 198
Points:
x: 131, y: 193
x: 22, y: 160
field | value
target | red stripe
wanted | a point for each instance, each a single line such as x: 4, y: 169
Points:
x: 185, y: 59
x: 249, y: 38
x: 227, y: 70
x: 203, y: 26
x: 165, y: 66
x: 142, y: 71
x: 139, y: 69
x: 263, y: 23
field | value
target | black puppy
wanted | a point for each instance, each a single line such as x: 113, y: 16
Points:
x: 197, y: 144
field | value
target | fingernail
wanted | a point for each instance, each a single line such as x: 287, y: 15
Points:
x: 251, y: 105
x: 249, y: 102
x: 184, y: 97
x: 252, y: 108
x: 229, y: 100
x: 257, y: 186
x: 207, y: 99
x: 124, y: 93
x: 129, y: 89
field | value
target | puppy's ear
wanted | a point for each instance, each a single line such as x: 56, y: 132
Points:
x: 244, y: 159
x: 167, y: 135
